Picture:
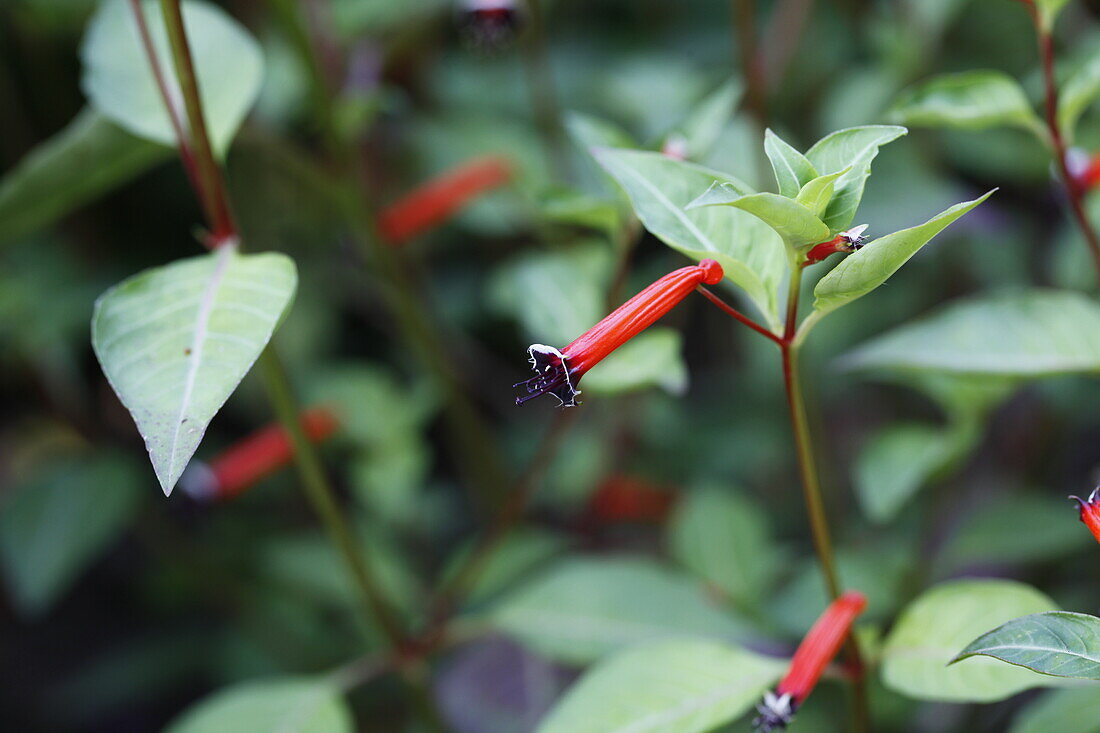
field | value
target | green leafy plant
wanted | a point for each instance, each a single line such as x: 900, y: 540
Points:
x: 391, y: 199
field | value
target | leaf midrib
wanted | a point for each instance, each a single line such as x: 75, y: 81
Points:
x: 198, y: 339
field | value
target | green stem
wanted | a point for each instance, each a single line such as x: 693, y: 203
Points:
x: 510, y: 513
x: 322, y: 497
x: 474, y: 446
x: 314, y: 481
x: 811, y: 489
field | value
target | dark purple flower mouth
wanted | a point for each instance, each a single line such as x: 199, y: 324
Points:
x: 552, y: 376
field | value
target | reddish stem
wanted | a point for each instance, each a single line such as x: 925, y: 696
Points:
x: 1073, y: 186
x: 736, y: 314
x: 187, y: 157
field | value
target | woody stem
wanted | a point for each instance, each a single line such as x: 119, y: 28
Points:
x: 811, y: 486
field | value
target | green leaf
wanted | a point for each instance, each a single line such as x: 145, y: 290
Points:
x: 175, y: 341
x: 1056, y: 643
x: 521, y: 553
x: 1077, y: 93
x: 574, y: 208
x: 589, y: 132
x: 651, y: 359
x: 817, y: 193
x: 1030, y: 333
x: 1065, y: 711
x: 556, y: 296
x: 58, y: 520
x: 992, y: 535
x: 861, y: 272
x: 1048, y: 12
x: 932, y: 629
x: 792, y: 170
x: 894, y: 465
x: 673, y: 686
x: 281, y: 705
x: 582, y: 609
x: 750, y: 252
x: 705, y: 123
x: 120, y: 85
x: 854, y: 148
x: 970, y: 100
x: 42, y: 187
x: 723, y: 537
x: 791, y: 220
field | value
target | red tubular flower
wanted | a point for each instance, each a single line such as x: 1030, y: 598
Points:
x: 253, y: 458
x: 815, y: 652
x: 437, y: 200
x: 557, y: 372
x: 848, y: 241
x: 1090, y: 511
x: 627, y: 498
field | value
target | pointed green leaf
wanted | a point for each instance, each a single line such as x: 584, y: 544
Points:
x: 932, y: 629
x: 817, y: 194
x: 1048, y: 12
x: 588, y: 131
x: 703, y: 126
x: 280, y: 705
x: 1028, y: 334
x: 175, y: 341
x: 1077, y: 93
x: 793, y: 222
x: 723, y: 537
x: 792, y: 170
x: 750, y: 252
x: 861, y: 272
x: 674, y: 686
x: 120, y: 85
x: 58, y: 519
x: 854, y: 148
x: 42, y: 187
x: 1056, y: 643
x: 894, y: 465
x: 970, y: 100
x: 583, y: 608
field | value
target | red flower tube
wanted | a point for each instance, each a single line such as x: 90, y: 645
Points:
x: 253, y: 458
x: 557, y: 372
x: 622, y: 498
x: 815, y: 652
x: 1090, y: 511
x: 848, y: 241
x: 437, y: 200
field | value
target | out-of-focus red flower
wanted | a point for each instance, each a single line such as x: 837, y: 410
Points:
x: 431, y: 204
x: 253, y: 458
x: 622, y: 498
x: 557, y: 372
x: 1090, y: 511
x: 848, y: 241
x: 815, y: 652
x: 1083, y: 168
